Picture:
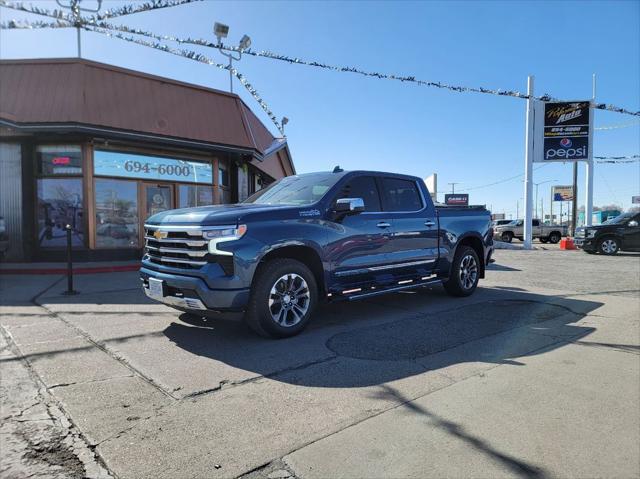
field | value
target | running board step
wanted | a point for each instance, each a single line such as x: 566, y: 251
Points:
x: 402, y: 287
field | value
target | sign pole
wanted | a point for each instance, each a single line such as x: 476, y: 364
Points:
x: 588, y: 204
x: 574, y: 203
x: 528, y: 167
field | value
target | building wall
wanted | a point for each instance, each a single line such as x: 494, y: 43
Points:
x: 11, y: 196
x: 105, y: 189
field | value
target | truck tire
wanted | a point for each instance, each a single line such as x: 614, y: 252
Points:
x: 507, y: 236
x: 554, y: 237
x: 465, y: 273
x: 283, y: 297
x: 609, y: 245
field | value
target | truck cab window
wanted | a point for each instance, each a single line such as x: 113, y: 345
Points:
x: 362, y: 187
x: 400, y: 195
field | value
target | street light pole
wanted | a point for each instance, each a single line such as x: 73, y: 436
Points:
x: 74, y: 6
x: 221, y: 31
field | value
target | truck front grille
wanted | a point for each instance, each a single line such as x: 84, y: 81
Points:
x: 181, y: 248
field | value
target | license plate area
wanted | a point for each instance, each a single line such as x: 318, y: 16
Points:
x: 156, y: 288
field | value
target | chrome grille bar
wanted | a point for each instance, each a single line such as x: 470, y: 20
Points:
x: 188, y: 242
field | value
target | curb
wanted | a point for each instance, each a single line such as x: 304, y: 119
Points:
x: 97, y: 269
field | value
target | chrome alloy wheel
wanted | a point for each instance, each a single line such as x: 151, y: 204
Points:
x: 468, y: 271
x: 609, y: 246
x: 289, y: 300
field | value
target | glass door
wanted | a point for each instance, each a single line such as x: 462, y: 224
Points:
x: 157, y: 198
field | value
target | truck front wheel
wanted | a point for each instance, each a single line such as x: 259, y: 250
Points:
x: 283, y: 296
x: 465, y: 273
x: 608, y: 246
x: 507, y: 236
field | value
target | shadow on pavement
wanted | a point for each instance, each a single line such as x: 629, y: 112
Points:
x: 511, y: 325
x: 517, y: 466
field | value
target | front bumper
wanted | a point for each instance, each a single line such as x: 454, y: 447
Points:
x: 188, y: 292
x: 585, y: 243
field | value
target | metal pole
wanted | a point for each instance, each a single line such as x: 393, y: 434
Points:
x: 551, y: 207
x: 588, y: 204
x: 536, y: 202
x: 574, y: 206
x: 528, y: 167
x: 517, y: 209
x: 230, y: 74
x: 70, y: 290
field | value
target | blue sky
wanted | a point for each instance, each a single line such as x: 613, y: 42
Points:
x: 357, y: 122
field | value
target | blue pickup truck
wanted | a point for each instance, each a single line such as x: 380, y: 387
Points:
x: 308, y: 238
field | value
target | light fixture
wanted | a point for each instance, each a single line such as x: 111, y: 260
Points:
x: 245, y: 42
x: 221, y: 30
x: 284, y: 120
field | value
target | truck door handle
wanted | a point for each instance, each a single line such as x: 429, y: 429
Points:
x: 383, y: 224
x: 429, y: 223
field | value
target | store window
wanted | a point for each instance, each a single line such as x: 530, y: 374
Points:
x: 224, y: 182
x: 60, y: 204
x: 223, y: 175
x: 117, y: 223
x: 56, y: 160
x: 194, y: 195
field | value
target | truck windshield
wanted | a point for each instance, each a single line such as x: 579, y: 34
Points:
x: 295, y: 190
x: 619, y: 219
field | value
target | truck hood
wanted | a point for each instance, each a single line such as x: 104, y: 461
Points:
x: 211, y: 215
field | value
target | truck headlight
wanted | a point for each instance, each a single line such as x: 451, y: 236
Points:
x: 590, y: 233
x: 223, y: 234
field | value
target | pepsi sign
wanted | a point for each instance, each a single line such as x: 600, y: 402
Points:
x: 566, y: 131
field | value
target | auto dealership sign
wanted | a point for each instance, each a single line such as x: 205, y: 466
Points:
x: 563, y: 131
x: 456, y: 199
x: 562, y: 193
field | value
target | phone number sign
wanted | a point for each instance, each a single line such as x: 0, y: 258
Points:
x: 564, y: 133
x: 127, y: 165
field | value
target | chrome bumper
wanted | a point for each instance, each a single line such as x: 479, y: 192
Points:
x: 186, y: 303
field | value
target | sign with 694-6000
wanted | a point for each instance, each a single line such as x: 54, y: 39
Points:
x: 128, y: 165
x: 564, y: 133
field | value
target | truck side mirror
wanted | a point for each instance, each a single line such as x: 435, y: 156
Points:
x: 350, y: 205
x: 633, y: 223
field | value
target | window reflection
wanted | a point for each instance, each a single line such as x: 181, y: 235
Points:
x: 194, y: 195
x: 60, y: 204
x: 116, y: 213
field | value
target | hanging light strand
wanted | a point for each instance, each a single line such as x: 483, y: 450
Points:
x: 97, y: 21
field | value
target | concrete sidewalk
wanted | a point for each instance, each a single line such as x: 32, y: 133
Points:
x: 537, y: 374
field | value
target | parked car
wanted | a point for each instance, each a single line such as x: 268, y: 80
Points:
x: 515, y: 229
x: 308, y: 238
x: 621, y: 233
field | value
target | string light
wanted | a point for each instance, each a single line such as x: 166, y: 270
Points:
x: 96, y: 21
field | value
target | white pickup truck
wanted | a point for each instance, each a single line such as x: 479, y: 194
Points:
x: 515, y: 229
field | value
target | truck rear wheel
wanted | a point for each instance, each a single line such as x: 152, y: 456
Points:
x: 554, y: 237
x: 283, y: 296
x: 465, y: 273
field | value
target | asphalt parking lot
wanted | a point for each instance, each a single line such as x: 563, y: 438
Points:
x: 536, y: 375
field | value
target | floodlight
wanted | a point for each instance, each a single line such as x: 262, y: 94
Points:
x: 245, y: 42
x: 284, y: 120
x: 221, y: 30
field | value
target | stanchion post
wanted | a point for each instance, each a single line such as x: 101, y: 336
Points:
x: 70, y: 290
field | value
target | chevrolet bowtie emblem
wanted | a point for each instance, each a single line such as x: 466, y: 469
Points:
x: 157, y: 234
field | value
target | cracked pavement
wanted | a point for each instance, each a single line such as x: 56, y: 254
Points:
x: 535, y: 375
